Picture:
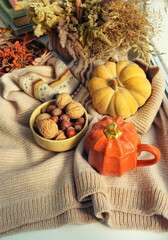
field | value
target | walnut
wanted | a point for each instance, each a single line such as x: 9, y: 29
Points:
x: 62, y: 100
x: 42, y: 116
x: 48, y: 128
x: 74, y: 110
x: 61, y: 135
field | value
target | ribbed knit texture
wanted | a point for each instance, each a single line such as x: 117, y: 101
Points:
x: 40, y: 189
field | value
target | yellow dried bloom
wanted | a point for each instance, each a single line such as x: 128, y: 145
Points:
x: 39, y: 30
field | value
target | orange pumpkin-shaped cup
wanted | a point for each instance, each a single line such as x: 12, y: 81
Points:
x: 113, y: 147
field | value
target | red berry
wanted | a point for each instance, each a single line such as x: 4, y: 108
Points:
x: 56, y: 112
x: 64, y: 117
x: 70, y: 132
x: 78, y: 126
x: 81, y: 120
x: 50, y: 108
x: 65, y: 124
x: 54, y: 118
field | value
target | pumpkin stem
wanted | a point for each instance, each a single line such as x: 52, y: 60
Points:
x: 115, y: 83
x: 112, y: 131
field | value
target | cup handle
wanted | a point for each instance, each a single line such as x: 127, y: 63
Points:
x: 148, y: 148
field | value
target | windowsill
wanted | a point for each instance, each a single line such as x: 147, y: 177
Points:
x: 161, y: 40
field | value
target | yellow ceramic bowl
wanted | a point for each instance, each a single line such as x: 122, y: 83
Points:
x: 56, y: 145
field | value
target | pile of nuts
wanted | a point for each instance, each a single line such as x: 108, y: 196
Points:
x: 60, y: 120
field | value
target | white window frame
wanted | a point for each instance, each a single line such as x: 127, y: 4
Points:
x: 161, y: 43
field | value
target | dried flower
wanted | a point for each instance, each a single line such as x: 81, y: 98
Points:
x: 42, y: 59
x: 96, y: 28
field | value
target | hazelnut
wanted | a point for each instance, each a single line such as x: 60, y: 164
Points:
x: 54, y: 118
x: 61, y: 135
x: 48, y: 128
x: 62, y: 100
x: 44, y: 109
x: 81, y: 120
x: 65, y: 124
x: 42, y: 116
x: 78, y: 126
x: 70, y: 132
x: 64, y: 117
x: 50, y: 108
x: 74, y: 110
x: 56, y: 112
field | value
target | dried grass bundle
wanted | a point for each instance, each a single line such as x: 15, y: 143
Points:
x: 97, y: 28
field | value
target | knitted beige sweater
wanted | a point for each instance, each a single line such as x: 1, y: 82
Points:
x: 40, y: 189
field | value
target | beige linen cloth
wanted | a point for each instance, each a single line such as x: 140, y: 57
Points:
x: 40, y: 189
